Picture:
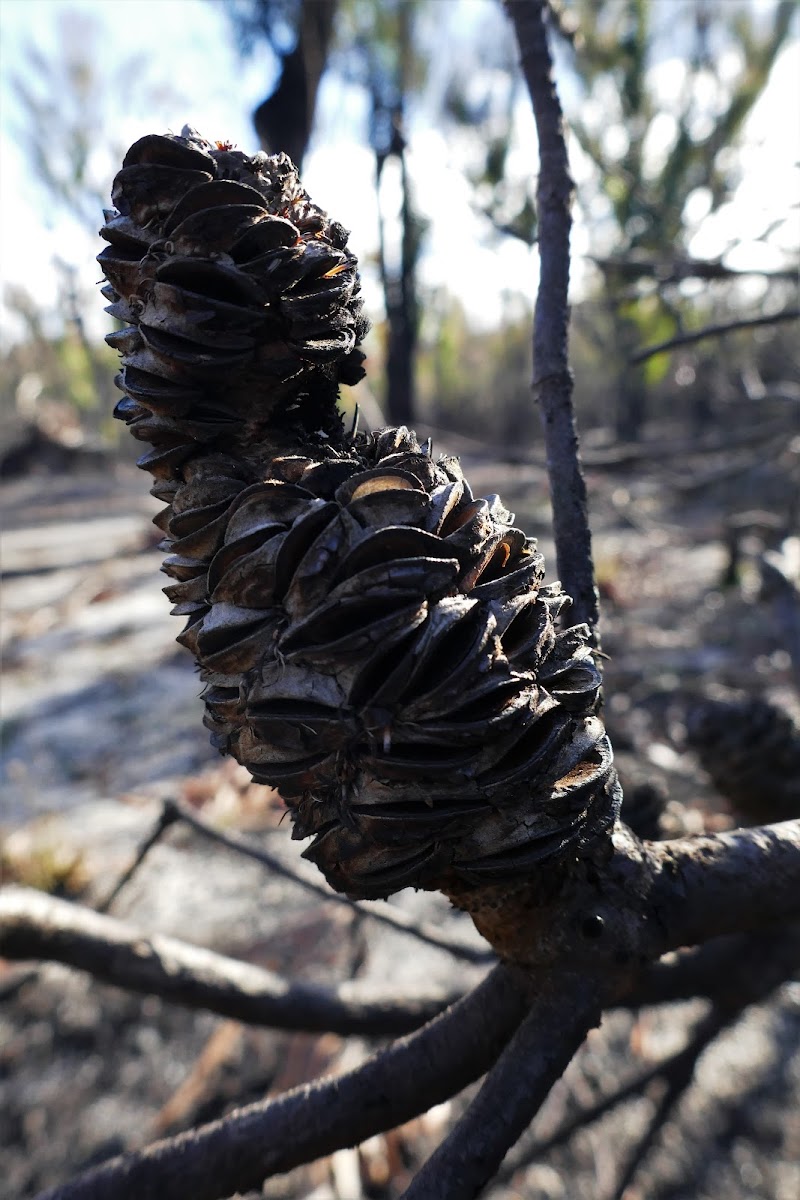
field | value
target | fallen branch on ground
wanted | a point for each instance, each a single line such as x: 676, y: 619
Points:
x: 34, y: 925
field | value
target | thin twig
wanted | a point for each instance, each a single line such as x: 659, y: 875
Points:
x: 240, y: 1151
x: 741, y: 971
x: 676, y: 270
x: 567, y: 1007
x: 308, y: 878
x: 167, y: 817
x: 677, y: 1077
x: 711, y: 331
x: 676, y: 1071
x: 552, y: 378
x: 584, y: 1117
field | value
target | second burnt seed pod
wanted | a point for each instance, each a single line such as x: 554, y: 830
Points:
x: 375, y: 641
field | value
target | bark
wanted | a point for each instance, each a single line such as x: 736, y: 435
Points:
x: 706, y: 887
x: 285, y: 119
x: 399, y: 282
x: 720, y: 968
x: 649, y: 898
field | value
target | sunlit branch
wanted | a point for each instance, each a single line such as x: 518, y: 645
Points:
x: 36, y: 926
x: 706, y: 887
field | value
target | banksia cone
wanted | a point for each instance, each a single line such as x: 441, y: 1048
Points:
x: 375, y: 642
x: 751, y: 750
x: 238, y: 294
x: 643, y: 809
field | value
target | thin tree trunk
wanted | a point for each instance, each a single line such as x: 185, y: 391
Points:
x: 285, y: 119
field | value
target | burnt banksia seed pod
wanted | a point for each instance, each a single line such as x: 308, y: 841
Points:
x: 751, y: 750
x: 375, y: 642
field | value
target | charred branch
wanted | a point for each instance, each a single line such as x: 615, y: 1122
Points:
x: 264, y: 1139
x: 712, y: 331
x: 309, y: 879
x: 566, y: 1007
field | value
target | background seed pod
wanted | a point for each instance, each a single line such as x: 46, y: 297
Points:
x: 751, y: 750
x: 375, y: 641
x: 238, y: 297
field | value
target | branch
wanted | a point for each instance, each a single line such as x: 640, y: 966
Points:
x: 239, y: 1152
x: 723, y: 965
x: 169, y: 815
x: 309, y: 878
x: 706, y: 887
x: 670, y: 1070
x: 749, y: 982
x: 513, y: 1091
x: 738, y: 972
x: 648, y: 899
x: 678, y: 269
x: 678, y: 1075
x: 552, y: 379
x: 34, y: 925
x: 699, y: 335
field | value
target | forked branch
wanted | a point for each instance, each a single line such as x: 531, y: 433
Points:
x: 265, y: 1139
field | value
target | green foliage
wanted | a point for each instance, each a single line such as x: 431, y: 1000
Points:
x: 477, y: 382
x: 648, y: 177
x: 613, y: 59
x: 59, y: 380
x: 617, y: 46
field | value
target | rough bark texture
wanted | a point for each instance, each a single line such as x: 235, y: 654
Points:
x: 709, y: 886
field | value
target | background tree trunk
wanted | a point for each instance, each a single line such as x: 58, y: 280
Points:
x: 285, y: 119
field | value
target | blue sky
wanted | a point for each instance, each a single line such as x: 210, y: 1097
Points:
x: 194, y: 73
